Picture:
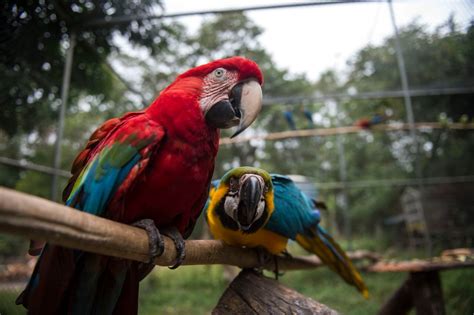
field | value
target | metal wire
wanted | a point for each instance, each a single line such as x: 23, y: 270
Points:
x: 369, y: 95
x: 110, y: 21
x: 321, y: 185
x: 34, y: 167
x: 395, y: 182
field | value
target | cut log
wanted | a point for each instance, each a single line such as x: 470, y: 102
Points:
x: 427, y: 293
x: 252, y: 293
x: 421, y: 290
x: 401, y: 302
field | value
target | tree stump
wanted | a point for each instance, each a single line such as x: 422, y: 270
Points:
x: 428, y: 294
x: 252, y: 293
x: 421, y: 290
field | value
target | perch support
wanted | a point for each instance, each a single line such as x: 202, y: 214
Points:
x: 251, y: 293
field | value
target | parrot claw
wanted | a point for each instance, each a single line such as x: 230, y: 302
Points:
x: 263, y: 256
x: 156, y: 246
x: 276, y: 271
x: 155, y: 240
x: 179, y: 244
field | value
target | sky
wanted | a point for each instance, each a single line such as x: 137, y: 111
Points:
x: 314, y: 39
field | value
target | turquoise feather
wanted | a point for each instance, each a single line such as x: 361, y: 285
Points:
x: 100, y: 180
x: 294, y: 213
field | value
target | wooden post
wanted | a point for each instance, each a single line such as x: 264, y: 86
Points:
x: 421, y: 290
x: 401, y: 302
x: 251, y: 293
x: 427, y: 293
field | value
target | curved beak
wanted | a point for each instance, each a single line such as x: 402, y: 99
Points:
x: 250, y: 104
x: 250, y: 195
x: 242, y: 107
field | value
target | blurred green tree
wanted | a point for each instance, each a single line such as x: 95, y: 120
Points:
x: 439, y: 59
x: 33, y: 40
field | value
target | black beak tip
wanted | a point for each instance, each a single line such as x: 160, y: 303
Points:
x: 245, y: 228
x: 238, y: 132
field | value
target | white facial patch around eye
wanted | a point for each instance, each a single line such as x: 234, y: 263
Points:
x: 216, y: 89
x: 230, y: 206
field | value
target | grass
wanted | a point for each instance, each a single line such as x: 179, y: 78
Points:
x: 7, y: 303
x: 325, y: 287
x: 197, y: 289
x: 458, y: 289
x: 187, y: 290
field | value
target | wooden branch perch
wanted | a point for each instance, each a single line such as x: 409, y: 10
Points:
x: 37, y: 218
x: 419, y: 265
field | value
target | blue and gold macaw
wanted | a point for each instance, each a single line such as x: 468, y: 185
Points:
x: 249, y: 207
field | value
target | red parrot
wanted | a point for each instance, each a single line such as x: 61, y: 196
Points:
x: 150, y: 168
x: 366, y: 123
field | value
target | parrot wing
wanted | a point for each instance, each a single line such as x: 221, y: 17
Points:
x: 293, y: 213
x: 111, y: 165
x: 296, y: 217
x: 95, y: 140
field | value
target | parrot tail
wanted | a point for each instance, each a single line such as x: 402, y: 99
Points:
x: 325, y: 247
x: 67, y: 281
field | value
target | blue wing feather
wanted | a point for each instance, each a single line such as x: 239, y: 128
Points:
x: 97, y: 190
x: 294, y: 212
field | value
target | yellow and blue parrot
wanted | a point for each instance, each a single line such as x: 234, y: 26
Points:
x: 249, y: 207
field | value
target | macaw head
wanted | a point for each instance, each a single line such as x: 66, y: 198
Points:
x: 227, y: 92
x: 244, y: 199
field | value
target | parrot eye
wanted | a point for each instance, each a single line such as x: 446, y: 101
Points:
x: 234, y: 185
x: 219, y: 73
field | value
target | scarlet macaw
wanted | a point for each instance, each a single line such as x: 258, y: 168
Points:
x: 249, y: 207
x: 154, y: 167
x: 366, y: 123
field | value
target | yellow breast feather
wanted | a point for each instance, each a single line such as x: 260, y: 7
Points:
x: 272, y: 242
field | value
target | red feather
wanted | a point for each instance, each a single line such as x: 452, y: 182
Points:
x: 169, y: 184
x: 94, y: 140
x: 363, y: 123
